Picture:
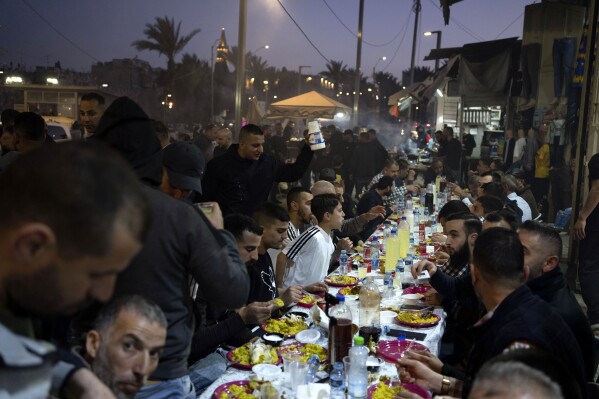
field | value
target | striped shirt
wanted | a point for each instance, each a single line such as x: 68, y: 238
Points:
x: 310, y: 253
x: 396, y: 195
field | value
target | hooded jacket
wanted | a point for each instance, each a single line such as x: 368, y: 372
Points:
x: 181, y: 243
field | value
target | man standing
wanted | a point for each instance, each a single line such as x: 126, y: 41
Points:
x: 29, y: 134
x: 125, y: 344
x: 243, y: 177
x: 367, y: 161
x: 182, y: 243
x: 586, y: 229
x: 182, y: 170
x: 57, y: 255
x: 224, y: 139
x: 205, y: 140
x: 453, y: 157
x: 91, y: 109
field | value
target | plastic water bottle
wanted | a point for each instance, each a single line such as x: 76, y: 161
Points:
x: 398, y: 278
x: 358, y: 375
x: 337, y: 380
x: 343, y: 262
x: 375, y: 254
x: 313, y: 365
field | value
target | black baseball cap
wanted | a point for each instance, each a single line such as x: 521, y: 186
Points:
x: 184, y: 164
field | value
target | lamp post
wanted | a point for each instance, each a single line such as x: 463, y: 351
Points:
x: 266, y: 46
x: 299, y: 79
x: 438, y: 33
x: 212, y: 81
x: 376, y: 85
x: 265, y: 95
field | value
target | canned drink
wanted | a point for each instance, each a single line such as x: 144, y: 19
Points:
x: 422, y: 248
x: 368, y: 265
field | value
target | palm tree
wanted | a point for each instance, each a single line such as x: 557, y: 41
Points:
x: 336, y: 72
x: 165, y: 38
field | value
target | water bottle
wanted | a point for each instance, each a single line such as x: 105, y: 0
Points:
x: 375, y: 254
x: 313, y: 365
x: 337, y: 380
x: 397, y: 279
x: 358, y: 374
x: 343, y: 262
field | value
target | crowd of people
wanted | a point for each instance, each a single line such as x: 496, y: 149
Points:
x: 129, y: 260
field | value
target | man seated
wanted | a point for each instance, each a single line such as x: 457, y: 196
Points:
x: 396, y: 170
x: 510, y: 185
x: 217, y: 326
x: 375, y: 197
x: 125, y: 343
x: 502, y: 218
x: 516, y: 318
x: 298, y: 208
x: 486, y: 204
x: 436, y: 169
x: 306, y: 260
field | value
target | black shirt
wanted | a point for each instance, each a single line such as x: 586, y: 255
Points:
x: 593, y: 219
x: 262, y: 280
x: 454, y: 154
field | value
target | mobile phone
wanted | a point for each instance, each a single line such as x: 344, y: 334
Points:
x: 408, y: 334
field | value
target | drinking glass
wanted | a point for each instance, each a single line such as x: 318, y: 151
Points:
x: 298, y: 373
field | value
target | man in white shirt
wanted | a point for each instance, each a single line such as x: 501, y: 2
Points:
x: 298, y: 207
x: 510, y: 185
x: 306, y: 260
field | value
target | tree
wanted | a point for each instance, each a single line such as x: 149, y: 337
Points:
x: 165, y: 38
x: 420, y: 74
x: 336, y: 72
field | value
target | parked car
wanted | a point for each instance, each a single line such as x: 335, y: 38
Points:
x: 62, y: 128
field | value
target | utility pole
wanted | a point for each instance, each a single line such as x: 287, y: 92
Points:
x: 240, y: 65
x: 417, y: 8
x: 358, y: 61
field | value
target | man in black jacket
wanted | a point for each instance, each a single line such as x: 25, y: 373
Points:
x: 542, y: 254
x: 181, y: 244
x: 372, y: 198
x: 242, y: 178
x: 516, y: 318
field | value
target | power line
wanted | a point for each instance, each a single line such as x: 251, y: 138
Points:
x: 356, y: 36
x: 507, y: 27
x: 400, y: 42
x: 60, y: 33
x: 303, y: 33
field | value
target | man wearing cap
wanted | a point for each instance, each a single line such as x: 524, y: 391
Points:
x: 182, y: 170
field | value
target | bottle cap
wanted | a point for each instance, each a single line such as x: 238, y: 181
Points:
x: 404, y: 218
x: 358, y: 340
x: 393, y: 231
x: 343, y: 251
x: 375, y: 238
x: 341, y: 297
x: 338, y: 365
x: 401, y: 337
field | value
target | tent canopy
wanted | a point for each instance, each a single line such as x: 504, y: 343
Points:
x: 311, y: 105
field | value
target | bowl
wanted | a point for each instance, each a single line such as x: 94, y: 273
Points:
x: 309, y: 336
x: 273, y: 339
x: 411, y: 299
x: 267, y: 372
x: 373, y: 364
x: 387, y: 316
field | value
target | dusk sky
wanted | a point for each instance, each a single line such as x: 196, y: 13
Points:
x: 105, y: 29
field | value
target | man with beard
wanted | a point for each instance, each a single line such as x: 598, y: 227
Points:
x: 460, y: 304
x: 60, y: 252
x: 515, y: 318
x: 298, y: 207
x: 125, y: 344
x: 218, y: 325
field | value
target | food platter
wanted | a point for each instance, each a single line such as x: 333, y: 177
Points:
x: 307, y: 301
x: 411, y: 319
x: 307, y: 350
x: 288, y: 326
x: 250, y: 354
x: 417, y: 289
x: 341, y: 281
x: 392, y: 351
x: 384, y: 391
x: 231, y: 390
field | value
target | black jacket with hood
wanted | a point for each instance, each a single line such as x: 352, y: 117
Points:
x: 181, y: 243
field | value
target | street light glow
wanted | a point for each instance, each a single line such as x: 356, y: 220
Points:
x: 429, y: 33
x: 52, y: 81
x: 14, y: 79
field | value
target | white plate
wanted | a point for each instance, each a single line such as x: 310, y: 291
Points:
x: 268, y: 372
x: 309, y: 336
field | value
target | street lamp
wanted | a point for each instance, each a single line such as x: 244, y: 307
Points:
x: 438, y: 33
x: 266, y: 46
x: 265, y: 94
x: 374, y: 67
x: 168, y: 102
x: 299, y: 80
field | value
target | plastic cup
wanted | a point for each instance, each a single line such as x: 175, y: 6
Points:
x: 298, y: 371
x: 315, y: 136
x: 289, y: 357
x: 346, y: 366
x: 362, y: 271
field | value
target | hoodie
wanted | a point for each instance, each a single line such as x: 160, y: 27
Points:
x: 181, y: 243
